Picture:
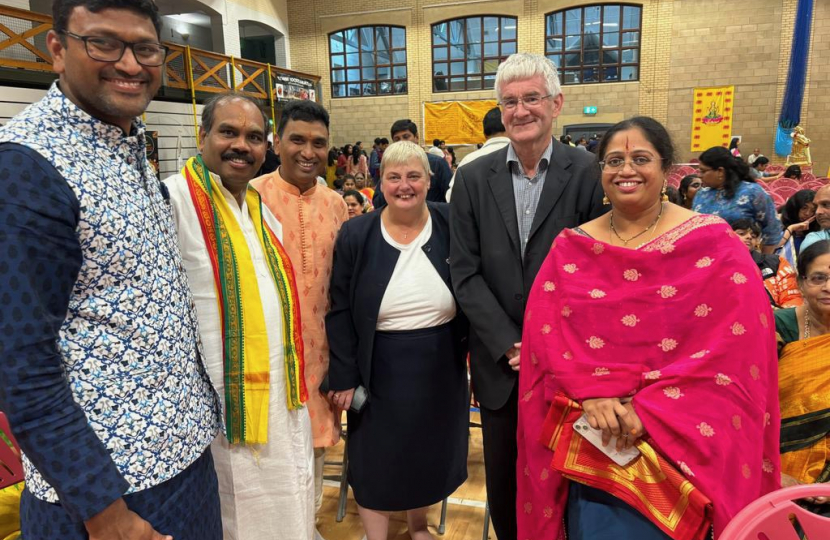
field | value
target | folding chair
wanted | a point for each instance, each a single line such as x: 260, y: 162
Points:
x: 770, y: 517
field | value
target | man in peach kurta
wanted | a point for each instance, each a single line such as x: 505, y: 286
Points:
x: 311, y: 215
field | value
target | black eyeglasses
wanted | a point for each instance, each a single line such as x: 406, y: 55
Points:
x: 108, y: 49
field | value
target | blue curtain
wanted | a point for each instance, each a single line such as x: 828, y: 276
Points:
x: 796, y: 78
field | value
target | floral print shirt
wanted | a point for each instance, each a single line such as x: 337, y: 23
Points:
x: 103, y: 380
x: 750, y: 201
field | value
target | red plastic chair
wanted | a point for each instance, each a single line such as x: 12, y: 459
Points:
x: 815, y: 185
x: 11, y: 468
x: 785, y: 193
x: 768, y: 518
x: 787, y: 182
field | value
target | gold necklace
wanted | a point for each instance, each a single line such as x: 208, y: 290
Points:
x: 807, y: 326
x: 639, y: 234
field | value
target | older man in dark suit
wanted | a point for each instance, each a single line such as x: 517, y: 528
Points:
x: 506, y: 210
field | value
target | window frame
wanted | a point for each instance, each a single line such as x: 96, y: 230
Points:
x: 376, y: 81
x: 601, y: 68
x: 483, y: 75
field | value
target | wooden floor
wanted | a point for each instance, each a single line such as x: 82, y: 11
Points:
x: 465, y: 513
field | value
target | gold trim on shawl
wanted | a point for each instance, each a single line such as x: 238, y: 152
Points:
x: 666, y: 241
x: 646, y: 469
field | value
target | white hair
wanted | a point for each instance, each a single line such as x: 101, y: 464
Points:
x: 524, y: 66
x: 401, y: 153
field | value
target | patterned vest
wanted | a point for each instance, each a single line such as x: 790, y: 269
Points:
x: 129, y: 343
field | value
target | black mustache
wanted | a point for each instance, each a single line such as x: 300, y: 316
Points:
x: 236, y: 155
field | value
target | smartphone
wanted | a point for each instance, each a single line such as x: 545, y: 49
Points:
x: 594, y: 436
x: 359, y: 400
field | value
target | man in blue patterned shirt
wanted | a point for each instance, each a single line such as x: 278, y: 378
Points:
x: 103, y: 381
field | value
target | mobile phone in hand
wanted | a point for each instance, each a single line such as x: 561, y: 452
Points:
x: 594, y: 436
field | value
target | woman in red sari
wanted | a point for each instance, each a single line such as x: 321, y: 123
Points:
x: 653, y: 322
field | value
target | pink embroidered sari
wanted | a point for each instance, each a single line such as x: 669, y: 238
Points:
x: 682, y: 325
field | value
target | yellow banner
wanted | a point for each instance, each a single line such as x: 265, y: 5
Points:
x: 712, y: 117
x: 456, y: 122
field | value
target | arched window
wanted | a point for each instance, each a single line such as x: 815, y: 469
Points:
x: 368, y: 61
x: 594, y: 44
x: 467, y: 52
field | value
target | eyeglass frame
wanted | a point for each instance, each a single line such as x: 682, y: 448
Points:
x: 630, y: 163
x: 124, y: 44
x: 808, y: 280
x: 523, y: 100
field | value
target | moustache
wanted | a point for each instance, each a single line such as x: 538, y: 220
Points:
x: 236, y: 155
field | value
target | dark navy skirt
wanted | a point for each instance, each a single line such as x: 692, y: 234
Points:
x: 594, y: 514
x: 186, y: 507
x: 408, y: 446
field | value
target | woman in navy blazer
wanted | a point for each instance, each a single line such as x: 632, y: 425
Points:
x: 400, y: 336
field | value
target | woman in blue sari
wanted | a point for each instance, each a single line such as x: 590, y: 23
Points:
x: 731, y: 193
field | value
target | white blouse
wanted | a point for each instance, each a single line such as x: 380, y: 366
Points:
x: 416, y: 297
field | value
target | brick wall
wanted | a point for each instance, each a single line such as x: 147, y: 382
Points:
x: 817, y: 100
x: 716, y: 43
x: 684, y: 44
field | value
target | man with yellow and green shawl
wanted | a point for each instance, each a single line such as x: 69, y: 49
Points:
x: 246, y: 302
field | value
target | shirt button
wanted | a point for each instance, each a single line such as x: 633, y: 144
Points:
x: 527, y: 211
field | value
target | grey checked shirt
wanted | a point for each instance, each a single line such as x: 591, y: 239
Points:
x: 526, y: 190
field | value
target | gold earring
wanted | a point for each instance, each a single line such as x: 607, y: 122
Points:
x: 664, y: 195
x: 605, y: 200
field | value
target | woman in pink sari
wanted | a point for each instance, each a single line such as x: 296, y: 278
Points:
x: 653, y: 322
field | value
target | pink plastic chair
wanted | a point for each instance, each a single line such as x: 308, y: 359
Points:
x: 789, y: 182
x: 768, y: 518
x: 11, y: 469
x: 816, y: 184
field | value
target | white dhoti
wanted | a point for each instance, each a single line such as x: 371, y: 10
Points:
x: 266, y: 491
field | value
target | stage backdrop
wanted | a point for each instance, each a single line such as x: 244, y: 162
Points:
x: 456, y: 122
x: 712, y: 117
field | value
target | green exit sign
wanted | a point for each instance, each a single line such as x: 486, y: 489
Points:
x: 589, y: 110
